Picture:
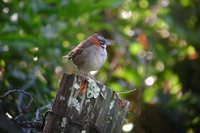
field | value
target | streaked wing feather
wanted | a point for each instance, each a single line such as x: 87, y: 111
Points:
x: 89, y: 42
x: 78, y: 49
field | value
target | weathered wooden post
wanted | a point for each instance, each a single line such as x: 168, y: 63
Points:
x: 85, y: 106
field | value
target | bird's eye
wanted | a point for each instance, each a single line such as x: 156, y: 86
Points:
x: 102, y: 42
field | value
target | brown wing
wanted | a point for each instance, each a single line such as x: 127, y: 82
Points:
x: 78, y: 49
x: 89, y: 42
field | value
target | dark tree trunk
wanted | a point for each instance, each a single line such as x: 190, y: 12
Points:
x: 85, y: 106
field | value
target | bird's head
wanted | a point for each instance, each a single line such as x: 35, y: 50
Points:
x: 102, y: 41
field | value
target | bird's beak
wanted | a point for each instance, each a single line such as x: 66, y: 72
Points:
x: 108, y: 42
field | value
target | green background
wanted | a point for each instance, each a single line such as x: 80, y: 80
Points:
x: 155, y: 50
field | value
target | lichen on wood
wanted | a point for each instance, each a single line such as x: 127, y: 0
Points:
x: 99, y: 109
x: 93, y: 89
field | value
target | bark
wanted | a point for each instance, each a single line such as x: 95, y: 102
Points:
x: 85, y: 106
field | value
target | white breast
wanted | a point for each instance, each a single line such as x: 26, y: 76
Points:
x: 92, y: 59
x: 97, y: 58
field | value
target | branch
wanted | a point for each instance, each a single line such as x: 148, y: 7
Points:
x: 25, y: 87
x: 24, y: 109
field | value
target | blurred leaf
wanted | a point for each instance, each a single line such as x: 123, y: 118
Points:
x: 150, y: 94
x: 36, y: 34
x: 135, y: 48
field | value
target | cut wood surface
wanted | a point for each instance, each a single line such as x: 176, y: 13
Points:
x: 85, y: 106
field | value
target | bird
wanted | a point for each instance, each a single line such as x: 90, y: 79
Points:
x: 89, y: 55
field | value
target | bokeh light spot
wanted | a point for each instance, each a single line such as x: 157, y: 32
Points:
x: 126, y: 14
x: 150, y: 81
x: 35, y: 58
x: 6, y: 10
x: 160, y: 66
x: 8, y: 115
x: 143, y: 3
x: 14, y: 17
x: 127, y: 127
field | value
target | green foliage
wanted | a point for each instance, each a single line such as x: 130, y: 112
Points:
x: 155, y: 49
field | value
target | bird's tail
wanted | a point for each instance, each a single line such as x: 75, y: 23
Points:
x: 66, y: 57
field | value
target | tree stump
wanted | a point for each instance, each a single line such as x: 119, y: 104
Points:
x: 85, y: 106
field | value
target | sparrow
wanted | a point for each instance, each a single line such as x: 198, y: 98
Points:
x: 89, y: 55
